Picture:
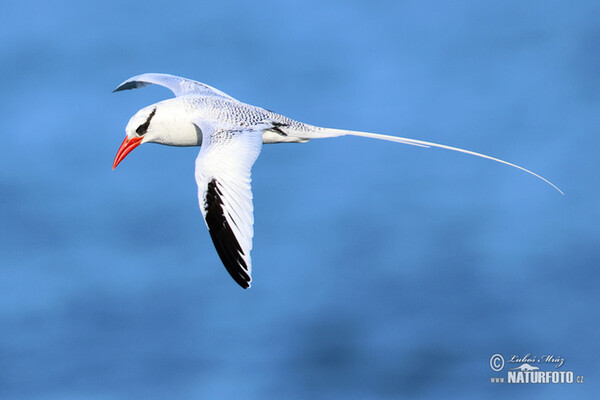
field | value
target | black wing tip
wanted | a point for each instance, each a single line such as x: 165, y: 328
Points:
x: 245, y: 285
x: 227, y: 246
x: 236, y: 269
x: 129, y: 85
x: 232, y: 260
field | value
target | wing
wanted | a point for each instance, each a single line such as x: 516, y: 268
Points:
x: 224, y: 193
x: 179, y: 86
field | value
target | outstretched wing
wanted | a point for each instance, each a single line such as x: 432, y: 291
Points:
x: 224, y: 193
x: 179, y: 86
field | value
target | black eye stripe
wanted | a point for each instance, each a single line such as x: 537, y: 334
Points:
x: 143, y: 128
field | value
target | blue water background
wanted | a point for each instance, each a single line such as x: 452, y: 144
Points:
x: 381, y: 271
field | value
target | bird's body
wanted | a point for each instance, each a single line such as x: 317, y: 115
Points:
x: 230, y: 134
x: 214, y: 111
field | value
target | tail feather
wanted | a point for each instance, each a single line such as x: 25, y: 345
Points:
x: 329, y: 132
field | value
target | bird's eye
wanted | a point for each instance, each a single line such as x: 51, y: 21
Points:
x: 143, y: 128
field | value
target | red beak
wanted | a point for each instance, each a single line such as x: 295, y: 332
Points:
x: 126, y: 147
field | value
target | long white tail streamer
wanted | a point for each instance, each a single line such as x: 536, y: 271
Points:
x: 422, y: 143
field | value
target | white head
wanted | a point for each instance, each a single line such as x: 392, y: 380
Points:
x: 164, y: 123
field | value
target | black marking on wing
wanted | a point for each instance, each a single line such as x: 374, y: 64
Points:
x: 143, y: 128
x: 130, y: 85
x: 225, y: 242
x: 277, y: 128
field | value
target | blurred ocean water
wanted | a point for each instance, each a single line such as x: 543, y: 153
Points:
x: 380, y: 270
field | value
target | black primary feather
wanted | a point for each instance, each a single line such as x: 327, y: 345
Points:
x: 224, y: 239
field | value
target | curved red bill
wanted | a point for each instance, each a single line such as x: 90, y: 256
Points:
x: 126, y: 147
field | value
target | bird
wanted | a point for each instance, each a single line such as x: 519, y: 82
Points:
x: 230, y: 134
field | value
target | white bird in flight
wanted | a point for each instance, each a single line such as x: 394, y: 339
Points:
x: 230, y: 134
